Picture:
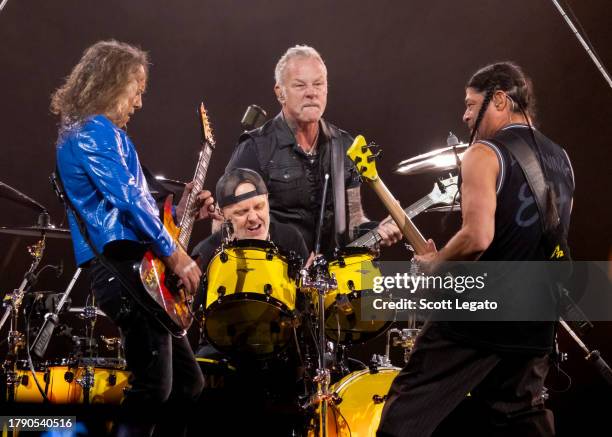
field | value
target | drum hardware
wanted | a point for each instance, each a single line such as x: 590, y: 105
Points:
x: 320, y: 281
x: 87, y: 382
x: 12, y: 303
x: 406, y: 341
x: 39, y: 347
x: 378, y: 399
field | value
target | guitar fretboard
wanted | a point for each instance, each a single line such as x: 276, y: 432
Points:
x: 372, y: 238
x: 188, y: 218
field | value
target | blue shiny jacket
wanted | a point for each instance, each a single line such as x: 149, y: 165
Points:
x: 102, y: 177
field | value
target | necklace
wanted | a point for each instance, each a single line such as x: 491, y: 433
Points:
x: 313, y: 147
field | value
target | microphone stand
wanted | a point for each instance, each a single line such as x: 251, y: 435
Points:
x: 39, y: 347
x: 317, y: 279
x: 584, y: 44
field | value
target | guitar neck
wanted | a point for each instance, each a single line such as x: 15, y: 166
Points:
x: 372, y: 238
x: 188, y: 218
x: 408, y: 229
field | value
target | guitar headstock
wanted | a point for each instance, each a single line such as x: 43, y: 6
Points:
x: 361, y: 154
x: 445, y: 190
x: 207, y: 135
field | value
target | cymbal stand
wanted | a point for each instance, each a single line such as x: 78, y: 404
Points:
x: 12, y: 303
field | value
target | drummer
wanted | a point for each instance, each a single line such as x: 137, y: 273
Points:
x: 243, y: 198
x: 268, y: 387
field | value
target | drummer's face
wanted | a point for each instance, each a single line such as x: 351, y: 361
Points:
x: 250, y: 217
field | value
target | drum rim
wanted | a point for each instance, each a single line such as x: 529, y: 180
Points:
x: 357, y: 373
x: 259, y: 245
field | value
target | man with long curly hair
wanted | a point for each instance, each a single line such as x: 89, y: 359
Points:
x: 104, y: 182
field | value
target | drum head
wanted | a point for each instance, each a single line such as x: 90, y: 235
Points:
x: 355, y: 270
x: 361, y: 396
x: 248, y: 326
x: 351, y: 328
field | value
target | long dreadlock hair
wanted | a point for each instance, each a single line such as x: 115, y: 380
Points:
x: 507, y: 77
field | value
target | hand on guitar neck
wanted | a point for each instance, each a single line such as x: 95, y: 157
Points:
x: 204, y: 206
x: 183, y: 266
x: 389, y: 232
x: 427, y: 260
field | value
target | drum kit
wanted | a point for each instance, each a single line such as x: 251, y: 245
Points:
x: 81, y: 376
x: 257, y: 300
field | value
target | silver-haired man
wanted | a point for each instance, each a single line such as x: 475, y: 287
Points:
x: 294, y: 150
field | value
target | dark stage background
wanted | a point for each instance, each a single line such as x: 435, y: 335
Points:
x: 396, y: 74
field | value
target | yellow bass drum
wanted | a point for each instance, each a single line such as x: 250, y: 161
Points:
x: 359, y: 403
x: 250, y: 299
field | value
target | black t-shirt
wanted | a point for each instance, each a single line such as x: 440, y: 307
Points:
x: 519, y: 237
x: 294, y: 178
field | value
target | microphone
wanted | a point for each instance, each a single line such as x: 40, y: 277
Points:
x: 253, y: 117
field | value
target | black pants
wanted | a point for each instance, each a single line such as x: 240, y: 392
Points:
x: 441, y: 372
x: 164, y: 372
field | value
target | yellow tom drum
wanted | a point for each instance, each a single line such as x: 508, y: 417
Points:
x: 355, y: 270
x: 61, y: 385
x: 250, y: 299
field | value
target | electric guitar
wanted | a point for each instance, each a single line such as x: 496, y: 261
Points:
x: 444, y: 192
x: 364, y: 160
x: 160, y: 283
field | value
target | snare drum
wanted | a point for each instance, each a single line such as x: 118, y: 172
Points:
x: 360, y: 400
x: 250, y: 299
x: 355, y: 270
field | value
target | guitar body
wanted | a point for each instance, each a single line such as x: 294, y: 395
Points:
x: 161, y: 285
x: 173, y: 303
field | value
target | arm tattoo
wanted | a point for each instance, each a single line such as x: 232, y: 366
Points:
x: 355, y: 210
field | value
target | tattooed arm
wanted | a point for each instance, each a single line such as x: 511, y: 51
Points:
x: 387, y: 228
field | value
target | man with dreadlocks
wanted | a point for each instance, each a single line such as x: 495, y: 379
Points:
x: 502, y: 364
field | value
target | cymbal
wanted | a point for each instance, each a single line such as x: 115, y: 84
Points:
x: 36, y: 231
x: 436, y: 161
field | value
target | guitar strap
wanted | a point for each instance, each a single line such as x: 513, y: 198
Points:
x: 542, y: 192
x: 337, y: 179
x: 56, y: 179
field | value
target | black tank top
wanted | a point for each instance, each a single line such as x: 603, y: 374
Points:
x: 518, y: 236
x: 518, y: 230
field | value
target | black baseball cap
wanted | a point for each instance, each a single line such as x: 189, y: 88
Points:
x: 227, y: 184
